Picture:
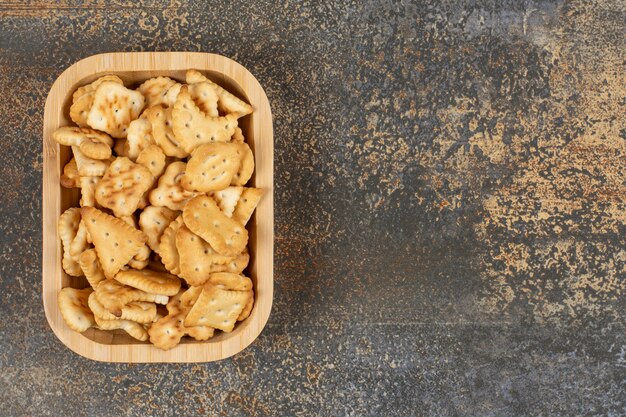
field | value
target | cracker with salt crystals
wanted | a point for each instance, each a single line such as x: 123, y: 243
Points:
x: 227, y: 102
x: 74, y: 308
x: 160, y: 118
x: 150, y: 281
x: 114, y: 107
x: 211, y: 167
x: 167, y: 332
x: 169, y: 192
x: 139, y: 137
x: 93, y: 144
x: 137, y: 311
x: 88, y: 191
x: 115, y: 241
x: 246, y: 205
x: 133, y: 329
x: 167, y: 247
x: 122, y: 186
x: 90, y: 265
x: 67, y: 229
x: 192, y: 127
x: 70, y: 177
x: 227, y: 199
x: 82, y: 99
x: 114, y: 295
x: 153, y: 220
x: 217, y: 307
x: 156, y: 89
x: 203, y: 217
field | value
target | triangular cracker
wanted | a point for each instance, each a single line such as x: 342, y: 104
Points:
x: 115, y: 241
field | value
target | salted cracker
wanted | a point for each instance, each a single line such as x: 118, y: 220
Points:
x: 89, y: 167
x: 67, y: 228
x: 197, y: 259
x: 74, y: 308
x: 122, y: 186
x: 70, y: 177
x: 133, y: 329
x: 217, y: 307
x: 137, y: 311
x: 167, y: 247
x: 203, y: 217
x: 227, y: 199
x: 115, y: 241
x: 82, y: 99
x: 246, y: 205
x: 227, y: 102
x: 246, y: 165
x: 150, y: 281
x: 211, y: 167
x: 91, y: 268
x: 169, y: 192
x: 155, y: 90
x: 114, y: 107
x: 139, y: 136
x: 160, y: 118
x: 153, y: 220
x: 114, y: 295
x: 193, y: 128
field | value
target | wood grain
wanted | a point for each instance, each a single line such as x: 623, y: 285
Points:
x: 133, y: 68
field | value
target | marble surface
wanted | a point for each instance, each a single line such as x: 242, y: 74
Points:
x: 450, y: 208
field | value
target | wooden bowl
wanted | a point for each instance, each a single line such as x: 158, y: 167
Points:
x: 133, y: 68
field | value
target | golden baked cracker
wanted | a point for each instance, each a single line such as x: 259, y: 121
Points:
x: 89, y: 167
x: 245, y: 313
x: 239, y: 263
x: 197, y: 260
x: 246, y: 165
x: 169, y: 193
x: 88, y: 261
x: 138, y: 138
x: 238, y: 136
x: 137, y: 311
x: 74, y: 309
x: 150, y: 281
x: 155, y: 90
x: 82, y: 99
x: 211, y: 167
x: 115, y: 241
x: 230, y: 281
x: 153, y: 220
x: 205, y: 96
x: 227, y: 199
x: 217, y: 307
x: 114, y: 295
x: 152, y: 158
x: 70, y: 177
x: 193, y: 128
x: 93, y: 144
x: 67, y: 228
x: 114, y: 107
x: 227, y: 102
x: 166, y: 332
x: 80, y: 243
x: 248, y: 201
x: 122, y: 186
x: 167, y: 247
x: 172, y: 94
x: 203, y: 217
x: 141, y: 259
x: 160, y: 118
x: 133, y: 329
x: 88, y: 191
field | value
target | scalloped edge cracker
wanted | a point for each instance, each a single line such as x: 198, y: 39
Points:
x: 114, y: 107
x: 227, y: 102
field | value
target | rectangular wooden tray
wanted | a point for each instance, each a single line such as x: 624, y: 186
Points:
x: 133, y: 68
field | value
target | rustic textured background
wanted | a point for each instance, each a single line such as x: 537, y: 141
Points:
x: 450, y: 208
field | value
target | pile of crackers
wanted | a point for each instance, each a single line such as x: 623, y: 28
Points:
x: 160, y: 234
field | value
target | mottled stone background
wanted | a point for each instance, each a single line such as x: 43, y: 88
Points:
x: 450, y: 208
